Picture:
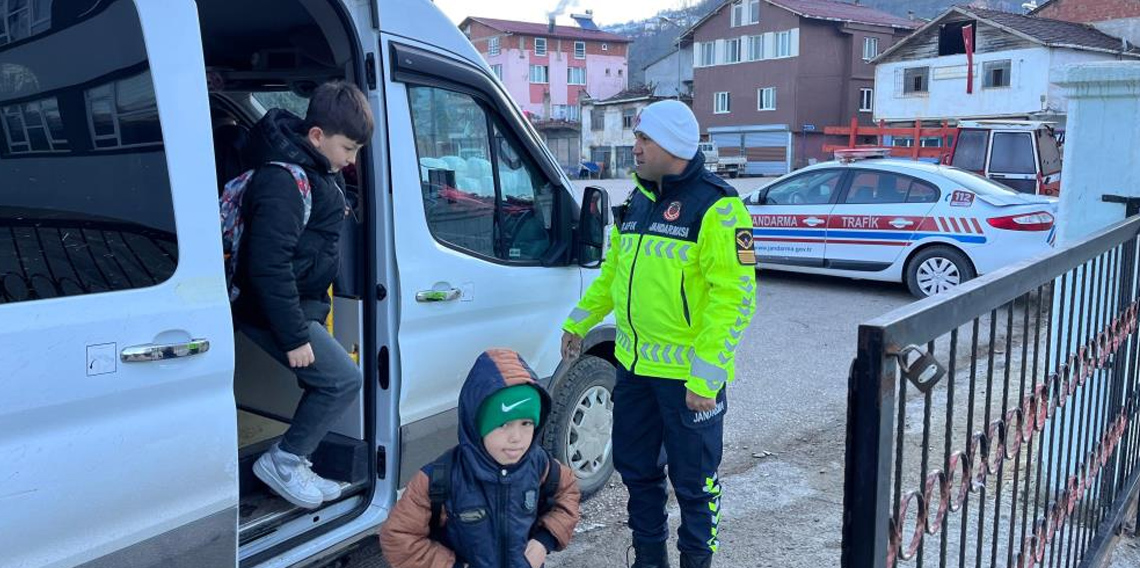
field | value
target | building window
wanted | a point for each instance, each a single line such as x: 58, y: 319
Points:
x: 605, y: 47
x: 745, y: 12
x: 866, y: 100
x: 732, y: 50
x: 624, y: 157
x: 708, y: 54
x: 493, y: 47
x: 737, y: 17
x: 539, y: 74
x: 950, y: 40
x: 996, y: 73
x: 574, y: 113
x: 754, y: 11
x: 721, y: 103
x: 756, y: 48
x: 916, y: 80
x: 20, y: 19
x: 766, y: 98
x: 34, y: 127
x: 607, y: 72
x: 576, y: 76
x: 498, y: 71
x: 579, y: 50
x: 870, y: 48
x: 540, y: 46
x: 620, y: 72
x: 124, y: 114
x: 784, y: 44
x: 598, y: 119
x: 627, y: 117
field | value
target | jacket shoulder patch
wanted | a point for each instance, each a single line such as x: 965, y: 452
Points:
x: 745, y: 251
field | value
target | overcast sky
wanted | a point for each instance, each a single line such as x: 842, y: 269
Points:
x: 605, y: 13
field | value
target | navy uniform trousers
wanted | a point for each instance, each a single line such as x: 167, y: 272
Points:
x: 650, y: 415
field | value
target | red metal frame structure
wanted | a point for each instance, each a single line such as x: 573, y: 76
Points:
x: 918, y: 132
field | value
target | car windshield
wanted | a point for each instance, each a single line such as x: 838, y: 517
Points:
x: 975, y: 182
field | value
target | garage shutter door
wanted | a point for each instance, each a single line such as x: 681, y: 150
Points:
x: 727, y: 144
x: 767, y: 152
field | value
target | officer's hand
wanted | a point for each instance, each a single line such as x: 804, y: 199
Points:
x: 571, y: 346
x: 301, y: 356
x: 535, y: 553
x: 698, y: 403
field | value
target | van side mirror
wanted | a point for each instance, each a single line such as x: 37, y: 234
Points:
x: 590, y: 240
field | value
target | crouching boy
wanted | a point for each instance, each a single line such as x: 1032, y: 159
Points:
x: 497, y: 500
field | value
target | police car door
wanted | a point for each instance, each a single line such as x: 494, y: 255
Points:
x: 118, y: 436
x: 790, y: 218
x: 878, y: 216
x: 475, y: 215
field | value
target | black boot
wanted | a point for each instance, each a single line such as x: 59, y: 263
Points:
x: 650, y: 554
x: 695, y: 560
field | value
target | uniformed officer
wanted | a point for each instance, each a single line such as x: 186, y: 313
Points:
x: 680, y: 278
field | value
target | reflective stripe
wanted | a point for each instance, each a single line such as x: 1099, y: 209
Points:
x: 713, y: 376
x: 665, y: 353
x: 578, y: 315
x: 671, y: 250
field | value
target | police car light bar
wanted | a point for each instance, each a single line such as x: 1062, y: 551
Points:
x: 848, y: 155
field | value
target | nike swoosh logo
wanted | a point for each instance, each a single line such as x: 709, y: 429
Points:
x: 513, y: 406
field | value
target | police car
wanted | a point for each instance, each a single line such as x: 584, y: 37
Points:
x: 929, y: 226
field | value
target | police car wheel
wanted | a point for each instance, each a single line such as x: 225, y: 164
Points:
x: 581, y: 421
x: 936, y: 270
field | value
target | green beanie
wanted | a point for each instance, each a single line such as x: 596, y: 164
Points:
x: 511, y: 403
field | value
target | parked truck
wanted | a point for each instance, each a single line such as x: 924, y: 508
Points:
x: 731, y: 166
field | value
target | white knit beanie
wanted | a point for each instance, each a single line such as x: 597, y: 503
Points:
x: 672, y: 126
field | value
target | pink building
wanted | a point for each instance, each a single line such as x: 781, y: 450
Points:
x: 547, y: 68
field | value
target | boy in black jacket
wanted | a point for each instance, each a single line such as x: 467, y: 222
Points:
x: 287, y: 266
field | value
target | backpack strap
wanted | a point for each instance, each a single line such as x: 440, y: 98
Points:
x: 303, y: 187
x: 549, y: 486
x: 439, y: 490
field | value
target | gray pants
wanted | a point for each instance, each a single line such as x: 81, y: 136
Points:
x: 330, y: 383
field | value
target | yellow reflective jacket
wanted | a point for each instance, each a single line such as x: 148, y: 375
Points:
x: 680, y: 277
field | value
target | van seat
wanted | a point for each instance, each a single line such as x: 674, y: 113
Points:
x: 230, y: 142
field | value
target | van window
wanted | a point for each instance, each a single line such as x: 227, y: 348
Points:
x: 1013, y: 153
x: 481, y: 193
x: 85, y: 205
x: 1050, y: 152
x: 970, y: 151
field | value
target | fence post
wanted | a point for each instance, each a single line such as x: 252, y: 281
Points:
x: 869, y: 455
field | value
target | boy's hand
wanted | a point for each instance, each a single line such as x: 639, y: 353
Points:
x: 571, y: 346
x: 535, y: 553
x: 301, y: 356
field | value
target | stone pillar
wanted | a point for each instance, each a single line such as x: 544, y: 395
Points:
x: 1102, y: 145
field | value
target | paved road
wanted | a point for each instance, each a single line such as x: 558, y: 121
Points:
x: 789, y: 399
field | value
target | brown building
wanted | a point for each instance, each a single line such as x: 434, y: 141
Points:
x: 1117, y: 18
x: 769, y: 75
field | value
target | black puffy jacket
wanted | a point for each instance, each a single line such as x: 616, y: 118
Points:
x: 285, y: 269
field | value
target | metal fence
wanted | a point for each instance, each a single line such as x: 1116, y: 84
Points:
x: 997, y: 426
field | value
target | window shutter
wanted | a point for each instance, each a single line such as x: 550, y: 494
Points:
x: 795, y: 48
x: 769, y: 45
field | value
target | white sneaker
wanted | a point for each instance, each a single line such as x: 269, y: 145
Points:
x: 288, y: 476
x: 329, y: 489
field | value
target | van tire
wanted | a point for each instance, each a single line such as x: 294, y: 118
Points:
x: 947, y: 261
x: 583, y: 405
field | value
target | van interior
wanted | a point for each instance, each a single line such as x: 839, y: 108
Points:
x: 262, y: 54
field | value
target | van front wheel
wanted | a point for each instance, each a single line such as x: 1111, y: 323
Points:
x: 578, y: 434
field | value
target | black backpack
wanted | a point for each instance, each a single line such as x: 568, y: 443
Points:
x: 439, y: 490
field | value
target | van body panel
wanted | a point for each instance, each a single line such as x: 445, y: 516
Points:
x: 86, y: 437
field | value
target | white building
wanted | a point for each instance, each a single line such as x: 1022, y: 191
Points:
x: 607, y: 129
x: 1017, y: 60
x: 672, y: 74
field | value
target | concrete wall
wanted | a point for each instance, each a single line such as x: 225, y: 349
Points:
x: 1102, y: 146
x: 664, y: 73
x: 1125, y: 28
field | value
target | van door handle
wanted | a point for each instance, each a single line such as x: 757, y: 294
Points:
x: 163, y: 351
x: 449, y: 295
